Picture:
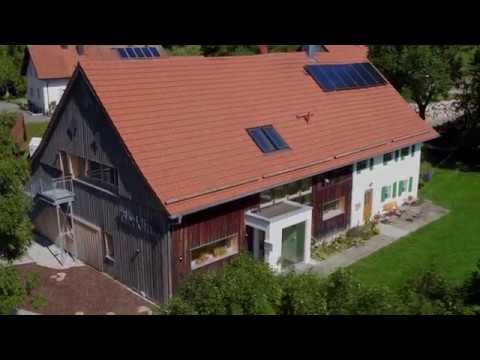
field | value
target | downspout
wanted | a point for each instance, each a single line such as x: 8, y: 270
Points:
x: 173, y: 221
x: 48, y: 100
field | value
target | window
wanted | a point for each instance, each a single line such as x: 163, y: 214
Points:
x: 214, y: 251
x: 397, y: 155
x: 267, y: 139
x: 109, y: 249
x: 402, y: 187
x: 362, y: 165
x: 405, y: 152
x: 333, y: 209
x: 63, y: 164
x: 77, y: 166
x: 372, y: 163
x: 387, y: 158
x: 299, y: 191
x: 31, y: 92
x: 386, y: 193
x: 102, y: 173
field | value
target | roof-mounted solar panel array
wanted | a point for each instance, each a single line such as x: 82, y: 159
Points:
x: 138, y: 52
x: 345, y: 76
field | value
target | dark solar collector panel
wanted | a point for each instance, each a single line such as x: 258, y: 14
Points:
x: 139, y: 52
x: 345, y: 76
x: 154, y: 51
x: 131, y: 53
x: 123, y: 53
x: 275, y: 138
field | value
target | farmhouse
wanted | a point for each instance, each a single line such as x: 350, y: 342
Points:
x: 48, y: 68
x: 150, y: 170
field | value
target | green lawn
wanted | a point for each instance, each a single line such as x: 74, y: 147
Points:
x: 36, y: 129
x: 451, y: 244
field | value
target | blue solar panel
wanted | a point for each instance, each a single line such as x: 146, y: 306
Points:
x: 342, y: 71
x: 139, y: 52
x: 147, y: 52
x: 154, y: 51
x: 321, y: 77
x: 261, y: 140
x: 365, y: 74
x: 374, y: 73
x: 345, y: 76
x: 131, y: 53
x: 275, y: 138
x: 336, y: 78
x: 122, y: 53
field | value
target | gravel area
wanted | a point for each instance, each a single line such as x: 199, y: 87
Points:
x: 82, y: 291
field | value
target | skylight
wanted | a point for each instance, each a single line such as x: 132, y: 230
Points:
x: 267, y: 139
x: 138, y: 52
x: 345, y: 76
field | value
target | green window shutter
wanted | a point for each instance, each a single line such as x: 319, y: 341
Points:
x: 397, y: 155
x: 401, y: 188
x: 372, y: 162
x: 394, y: 194
x: 413, y: 150
x: 384, y: 193
x: 410, y: 184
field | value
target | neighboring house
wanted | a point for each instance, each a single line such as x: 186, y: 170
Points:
x: 48, y: 69
x: 151, y: 170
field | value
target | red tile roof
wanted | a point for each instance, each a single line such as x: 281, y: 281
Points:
x: 56, y: 62
x: 183, y: 120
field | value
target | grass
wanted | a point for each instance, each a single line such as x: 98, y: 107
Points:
x: 36, y: 129
x: 451, y: 244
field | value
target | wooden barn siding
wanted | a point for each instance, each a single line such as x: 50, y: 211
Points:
x: 204, y: 227
x: 340, y: 185
x: 147, y: 272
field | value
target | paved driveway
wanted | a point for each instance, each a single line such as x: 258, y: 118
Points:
x: 29, y: 118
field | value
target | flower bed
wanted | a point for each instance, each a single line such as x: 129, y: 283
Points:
x: 354, y: 237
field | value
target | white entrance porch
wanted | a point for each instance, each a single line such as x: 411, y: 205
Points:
x: 281, y: 233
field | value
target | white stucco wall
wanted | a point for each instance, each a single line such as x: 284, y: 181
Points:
x: 383, y: 175
x: 273, y: 229
x: 54, y: 90
x: 43, y: 92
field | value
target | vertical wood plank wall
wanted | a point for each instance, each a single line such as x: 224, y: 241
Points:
x: 204, y: 227
x: 141, y: 259
x: 339, y: 185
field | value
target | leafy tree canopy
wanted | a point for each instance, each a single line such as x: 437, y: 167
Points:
x: 11, y: 81
x: 424, y: 73
x: 15, y: 225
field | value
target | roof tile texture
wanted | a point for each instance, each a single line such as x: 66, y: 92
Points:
x: 184, y: 121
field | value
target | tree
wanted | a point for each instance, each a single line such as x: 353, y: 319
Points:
x: 185, y: 50
x: 469, y: 104
x: 424, y: 73
x: 15, y: 225
x: 12, y: 290
x: 11, y: 80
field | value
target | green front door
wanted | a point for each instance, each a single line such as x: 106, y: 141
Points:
x: 293, y: 243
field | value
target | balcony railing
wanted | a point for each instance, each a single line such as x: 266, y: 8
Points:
x: 56, y: 191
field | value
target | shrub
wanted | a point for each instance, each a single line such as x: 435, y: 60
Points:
x: 471, y: 288
x: 250, y: 287
x: 12, y: 290
x: 303, y: 294
x: 202, y: 294
x: 428, y: 293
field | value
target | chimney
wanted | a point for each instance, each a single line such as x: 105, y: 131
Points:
x: 80, y: 49
x: 311, y: 50
x: 263, y: 49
